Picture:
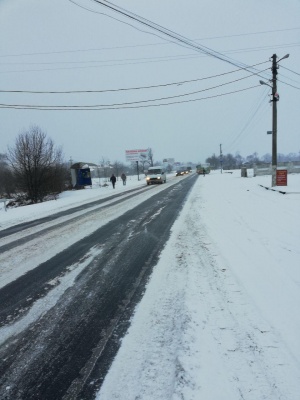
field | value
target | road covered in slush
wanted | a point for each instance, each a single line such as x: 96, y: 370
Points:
x: 81, y: 275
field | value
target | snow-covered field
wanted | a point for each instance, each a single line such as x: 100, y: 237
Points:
x: 220, y: 316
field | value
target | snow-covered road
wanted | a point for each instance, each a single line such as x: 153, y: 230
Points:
x: 220, y: 315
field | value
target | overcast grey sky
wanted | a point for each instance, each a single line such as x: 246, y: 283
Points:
x: 65, y: 46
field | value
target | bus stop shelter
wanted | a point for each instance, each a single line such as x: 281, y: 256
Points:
x: 81, y: 174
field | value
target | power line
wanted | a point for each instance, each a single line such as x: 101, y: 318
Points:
x: 148, y: 58
x: 133, y: 88
x: 166, y: 32
x: 261, y: 48
x: 288, y: 84
x: 179, y: 56
x: 140, y: 45
x: 19, y: 107
x: 251, y: 114
x: 294, y: 72
x: 249, y: 33
x: 159, y: 59
x: 149, y: 100
x: 116, y: 19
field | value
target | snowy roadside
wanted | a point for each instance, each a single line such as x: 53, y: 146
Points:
x: 219, y: 318
x: 65, y: 201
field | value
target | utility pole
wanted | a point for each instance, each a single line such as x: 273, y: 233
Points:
x: 275, y: 98
x: 221, y: 158
x: 274, y: 118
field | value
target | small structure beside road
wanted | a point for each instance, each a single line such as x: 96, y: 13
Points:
x: 81, y: 175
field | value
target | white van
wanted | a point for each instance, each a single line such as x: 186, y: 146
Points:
x: 156, y: 175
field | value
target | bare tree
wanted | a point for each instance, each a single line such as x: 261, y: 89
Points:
x: 118, y: 168
x: 146, y: 160
x: 214, y: 161
x: 150, y: 156
x: 36, y: 164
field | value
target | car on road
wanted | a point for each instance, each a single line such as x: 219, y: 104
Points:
x: 182, y: 171
x: 156, y: 175
x: 203, y: 169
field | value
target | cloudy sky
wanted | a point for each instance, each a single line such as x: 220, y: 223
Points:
x: 191, y: 71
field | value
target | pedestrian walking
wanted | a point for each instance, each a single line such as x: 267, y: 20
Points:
x: 113, y: 180
x: 123, y: 177
x: 204, y: 172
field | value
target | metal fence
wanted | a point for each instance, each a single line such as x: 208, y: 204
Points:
x: 291, y: 167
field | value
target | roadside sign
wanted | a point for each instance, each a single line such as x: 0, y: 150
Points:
x: 269, y: 132
x: 136, y: 155
x: 281, y: 177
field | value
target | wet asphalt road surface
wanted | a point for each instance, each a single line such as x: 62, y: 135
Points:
x: 66, y: 353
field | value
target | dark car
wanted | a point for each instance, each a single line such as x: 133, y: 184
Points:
x: 180, y: 172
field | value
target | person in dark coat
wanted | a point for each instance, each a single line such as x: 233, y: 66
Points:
x: 113, y: 180
x: 123, y: 177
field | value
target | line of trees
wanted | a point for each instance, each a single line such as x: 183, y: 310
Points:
x: 230, y: 161
x: 106, y: 168
x: 33, y: 168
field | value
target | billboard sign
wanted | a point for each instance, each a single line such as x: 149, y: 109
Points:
x: 136, y: 155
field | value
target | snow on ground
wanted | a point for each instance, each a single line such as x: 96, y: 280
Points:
x: 219, y: 318
x: 66, y: 200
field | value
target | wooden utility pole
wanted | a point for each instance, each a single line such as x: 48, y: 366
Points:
x: 275, y: 98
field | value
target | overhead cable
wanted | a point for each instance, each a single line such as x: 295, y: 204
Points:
x: 150, y: 100
x: 132, y: 88
x: 123, y: 107
x: 294, y: 72
x: 166, y: 32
